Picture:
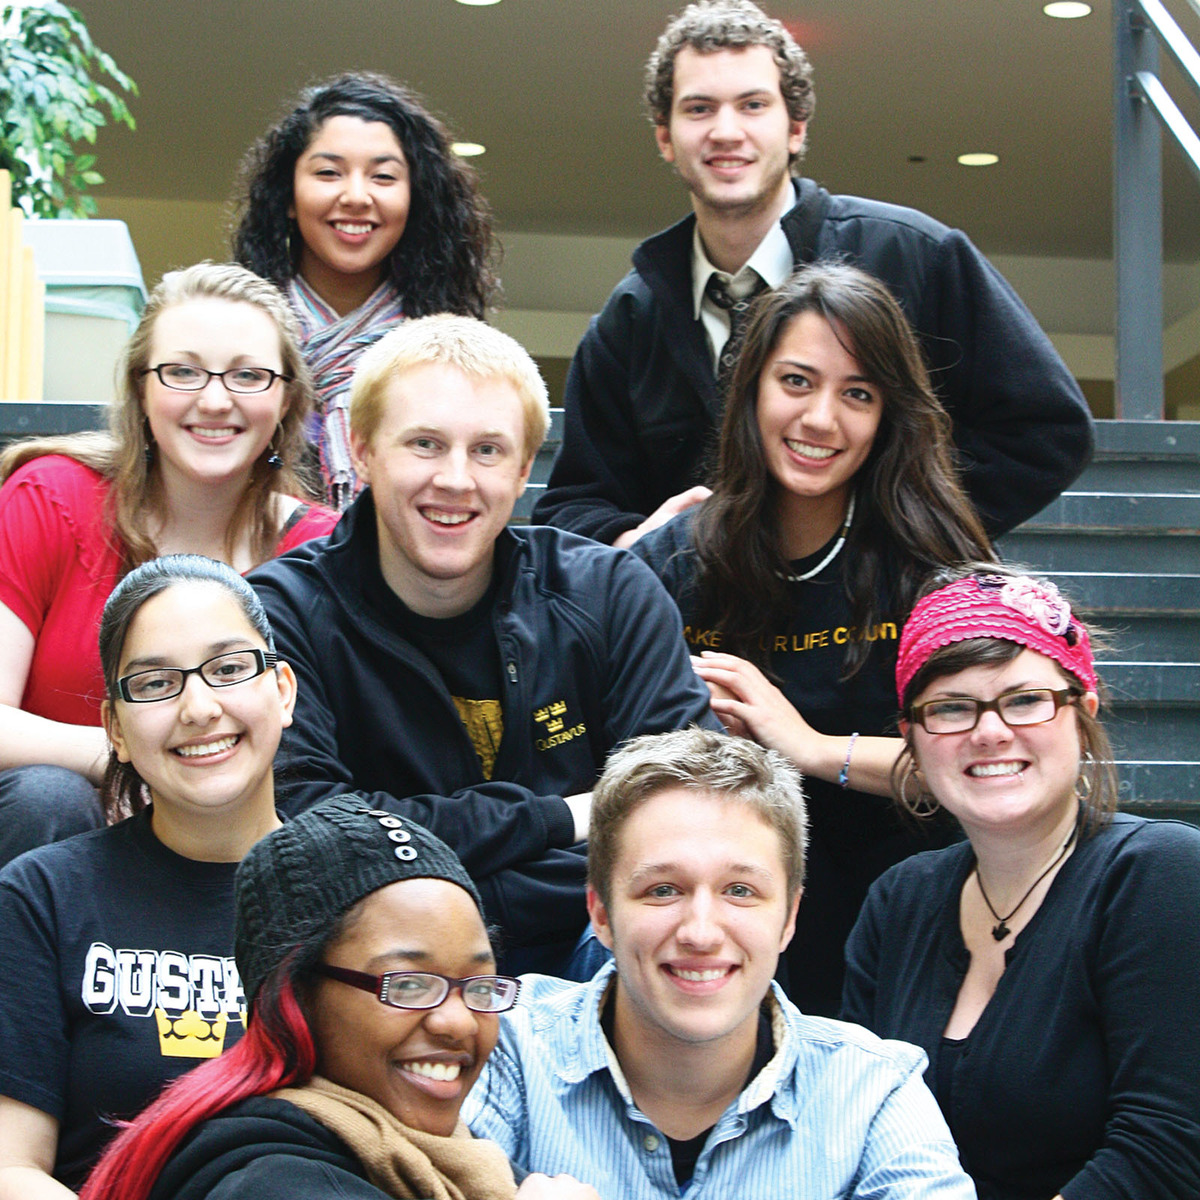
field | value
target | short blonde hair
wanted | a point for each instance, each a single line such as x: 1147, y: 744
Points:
x: 472, y: 346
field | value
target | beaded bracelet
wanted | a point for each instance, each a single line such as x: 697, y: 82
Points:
x: 844, y: 777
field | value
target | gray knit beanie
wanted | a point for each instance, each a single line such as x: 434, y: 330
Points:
x: 298, y: 881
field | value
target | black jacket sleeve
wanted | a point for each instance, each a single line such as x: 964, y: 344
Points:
x: 1022, y: 428
x: 600, y: 485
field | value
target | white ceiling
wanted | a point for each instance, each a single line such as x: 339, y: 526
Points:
x: 552, y: 88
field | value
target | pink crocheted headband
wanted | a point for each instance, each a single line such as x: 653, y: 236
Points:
x: 1013, y: 608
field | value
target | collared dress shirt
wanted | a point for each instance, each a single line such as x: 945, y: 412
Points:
x: 836, y: 1112
x: 771, y: 263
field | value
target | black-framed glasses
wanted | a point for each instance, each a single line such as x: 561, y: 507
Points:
x: 220, y: 671
x: 426, y: 989
x: 242, y: 381
x: 960, y: 714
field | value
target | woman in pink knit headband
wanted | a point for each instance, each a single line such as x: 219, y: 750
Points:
x: 1049, y: 964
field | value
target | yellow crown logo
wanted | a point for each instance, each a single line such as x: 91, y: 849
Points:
x: 189, y: 1035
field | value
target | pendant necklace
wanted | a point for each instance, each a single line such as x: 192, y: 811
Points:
x: 1001, y: 930
x: 833, y: 553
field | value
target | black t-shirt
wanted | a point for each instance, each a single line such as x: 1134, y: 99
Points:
x: 116, y: 975
x: 464, y: 652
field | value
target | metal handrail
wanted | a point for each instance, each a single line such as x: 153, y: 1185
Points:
x: 1173, y: 37
x: 1150, y: 87
x: 1137, y: 191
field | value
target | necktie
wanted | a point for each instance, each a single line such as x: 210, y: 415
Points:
x: 739, y: 318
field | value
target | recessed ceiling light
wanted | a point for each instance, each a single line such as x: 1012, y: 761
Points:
x: 478, y: 3
x: 467, y: 149
x: 1067, y: 10
x: 978, y: 160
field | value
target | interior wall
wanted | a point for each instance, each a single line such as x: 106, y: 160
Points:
x: 552, y: 284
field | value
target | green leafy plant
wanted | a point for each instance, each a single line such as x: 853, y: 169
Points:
x: 50, y: 103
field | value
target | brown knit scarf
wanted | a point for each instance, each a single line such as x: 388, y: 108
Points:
x: 404, y: 1162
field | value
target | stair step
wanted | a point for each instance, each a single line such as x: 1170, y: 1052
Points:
x: 1064, y: 552
x: 1130, y: 593
x: 1162, y: 788
x: 1169, y: 638
x: 526, y: 502
x: 19, y: 419
x: 1153, y: 683
x: 1147, y: 439
x: 1121, y: 512
x: 1144, y: 475
x: 1149, y: 734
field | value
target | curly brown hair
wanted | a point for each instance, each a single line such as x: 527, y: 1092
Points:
x: 712, y: 25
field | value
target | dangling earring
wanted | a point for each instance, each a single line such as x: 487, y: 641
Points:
x: 925, y: 803
x: 1083, y: 785
x: 148, y: 448
x: 273, y: 459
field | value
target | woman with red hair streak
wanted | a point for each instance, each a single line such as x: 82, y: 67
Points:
x: 373, y: 1006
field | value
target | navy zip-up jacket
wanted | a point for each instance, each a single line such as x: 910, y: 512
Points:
x: 592, y: 653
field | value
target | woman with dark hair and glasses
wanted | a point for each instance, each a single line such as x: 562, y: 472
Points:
x: 1050, y: 965
x: 373, y: 1006
x: 202, y: 458
x: 116, y: 946
x: 834, y: 495
x: 355, y: 204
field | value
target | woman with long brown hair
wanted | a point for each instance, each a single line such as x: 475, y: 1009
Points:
x: 834, y: 494
x: 202, y: 458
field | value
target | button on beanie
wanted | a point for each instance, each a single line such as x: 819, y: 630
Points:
x: 298, y: 881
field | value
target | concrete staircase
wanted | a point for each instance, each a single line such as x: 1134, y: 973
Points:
x: 1124, y: 544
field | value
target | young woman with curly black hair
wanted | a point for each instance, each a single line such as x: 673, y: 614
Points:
x: 356, y: 206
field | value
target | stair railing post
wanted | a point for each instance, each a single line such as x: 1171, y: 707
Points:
x: 1137, y: 222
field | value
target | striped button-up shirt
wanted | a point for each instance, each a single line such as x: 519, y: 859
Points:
x: 836, y: 1112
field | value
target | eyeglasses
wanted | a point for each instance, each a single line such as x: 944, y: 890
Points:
x: 242, y: 381
x: 960, y: 714
x: 221, y: 671
x: 424, y: 989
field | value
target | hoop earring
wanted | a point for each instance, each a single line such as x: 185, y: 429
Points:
x: 924, y: 804
x: 273, y: 459
x: 1083, y: 784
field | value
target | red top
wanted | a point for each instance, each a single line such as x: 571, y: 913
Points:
x: 59, y: 559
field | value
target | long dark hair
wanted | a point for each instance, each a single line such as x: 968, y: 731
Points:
x: 911, y: 512
x: 443, y: 263
x: 123, y: 790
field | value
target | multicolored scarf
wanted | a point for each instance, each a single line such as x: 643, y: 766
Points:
x: 332, y: 345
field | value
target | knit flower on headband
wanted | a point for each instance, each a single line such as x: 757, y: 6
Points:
x: 1042, y: 603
